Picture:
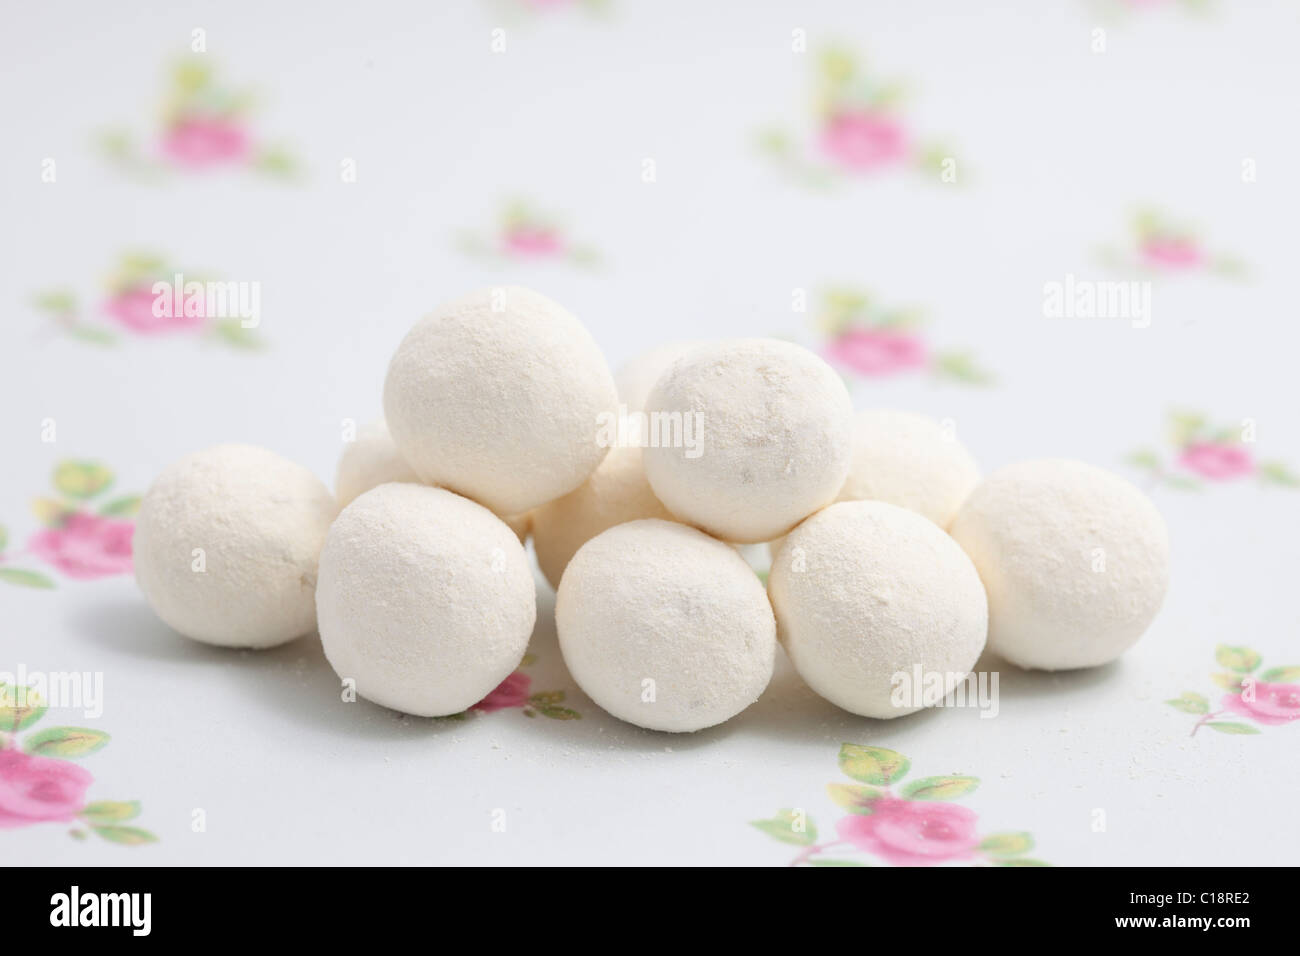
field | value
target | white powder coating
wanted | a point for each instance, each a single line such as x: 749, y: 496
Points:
x: 865, y: 590
x: 370, y: 460
x: 226, y: 546
x: 777, y: 436
x: 497, y: 396
x: 616, y: 492
x: 520, y: 524
x: 638, y: 375
x: 911, y: 461
x: 1074, y: 558
x: 665, y: 627
x: 426, y: 599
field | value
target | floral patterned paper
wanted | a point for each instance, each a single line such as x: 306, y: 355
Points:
x: 39, y: 783
x: 516, y: 693
x: 864, y: 339
x: 128, y: 308
x: 86, y: 534
x: 917, y: 826
x: 1202, y: 453
x: 203, y: 126
x: 525, y: 234
x: 1159, y: 246
x: 1269, y: 698
x: 859, y: 128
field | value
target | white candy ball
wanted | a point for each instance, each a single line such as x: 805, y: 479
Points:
x: 638, y: 375
x: 426, y: 599
x: 864, y: 591
x: 226, y: 546
x: 520, y: 524
x: 654, y: 607
x: 370, y: 460
x: 769, y: 429
x: 1074, y: 558
x: 910, y: 461
x: 616, y: 492
x: 498, y: 396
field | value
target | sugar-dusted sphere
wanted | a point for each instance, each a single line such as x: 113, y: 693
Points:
x: 911, y: 461
x: 764, y: 437
x: 664, y: 626
x: 1075, y: 561
x: 499, y: 396
x: 226, y: 546
x: 616, y: 492
x: 370, y: 460
x: 426, y: 599
x: 867, y: 595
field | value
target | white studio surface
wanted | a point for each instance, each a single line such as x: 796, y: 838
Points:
x: 1058, y: 144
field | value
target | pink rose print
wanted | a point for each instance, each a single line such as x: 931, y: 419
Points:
x: 38, y: 789
x: 1172, y: 253
x: 525, y: 234
x: 134, y: 309
x: 200, y: 142
x: 865, y: 339
x: 858, y: 127
x: 1218, y: 462
x: 86, y: 535
x: 511, y: 692
x: 1269, y: 698
x: 910, y: 833
x: 40, y: 784
x: 516, y: 692
x: 877, y: 352
x: 86, y: 546
x: 1159, y: 245
x: 864, y: 140
x: 525, y: 241
x: 1272, y: 704
x: 1203, y: 452
x: 918, y: 826
x: 205, y: 126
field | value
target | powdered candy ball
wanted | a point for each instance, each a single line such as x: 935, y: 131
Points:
x: 498, y: 396
x: 426, y: 599
x: 767, y: 437
x: 616, y: 492
x: 864, y: 591
x: 636, y: 377
x: 911, y: 461
x: 907, y: 460
x: 226, y: 546
x: 1074, y: 558
x: 372, y: 459
x: 665, y: 627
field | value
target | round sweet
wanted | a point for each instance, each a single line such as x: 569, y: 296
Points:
x: 665, y: 627
x: 499, y: 396
x: 226, y: 546
x: 616, y: 492
x: 426, y: 599
x: 636, y: 377
x: 370, y: 460
x: 520, y: 524
x: 1075, y: 561
x: 766, y: 437
x: 865, y: 592
x: 911, y: 461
